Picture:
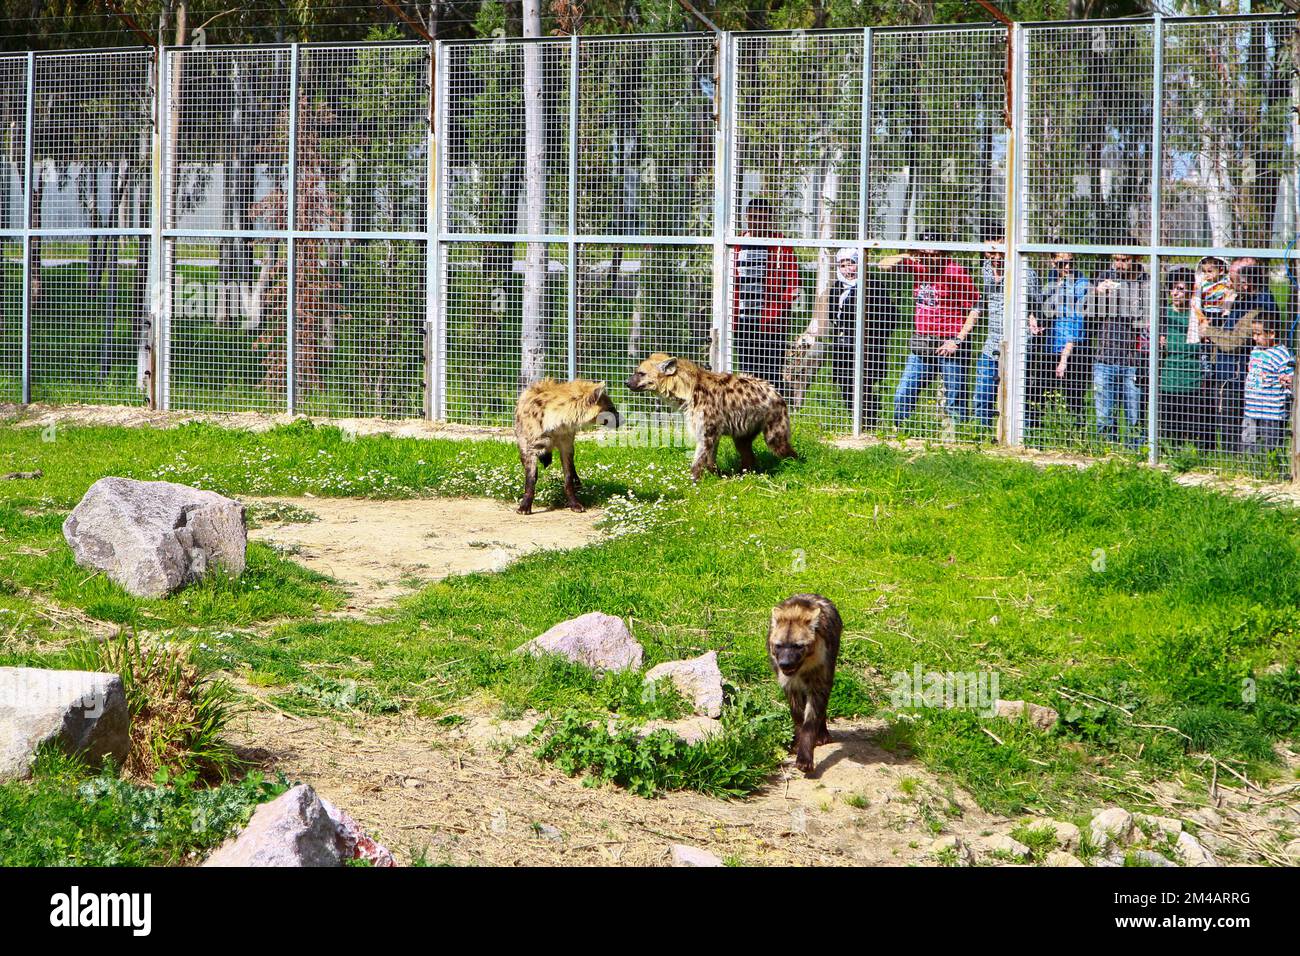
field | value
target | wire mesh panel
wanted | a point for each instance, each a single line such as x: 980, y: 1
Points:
x: 362, y: 160
x: 90, y: 332
x: 646, y: 136
x: 1086, y: 322
x: 797, y: 128
x: 938, y: 136
x: 1088, y: 129
x: 486, y: 185
x: 89, y: 308
x: 1230, y: 154
x: 13, y: 130
x: 493, y: 345
x: 637, y: 300
x: 359, y: 327
x: 228, y: 126
x: 223, y: 359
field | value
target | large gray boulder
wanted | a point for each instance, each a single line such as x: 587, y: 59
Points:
x: 78, y: 711
x: 600, y: 641
x: 154, y: 537
x: 299, y: 828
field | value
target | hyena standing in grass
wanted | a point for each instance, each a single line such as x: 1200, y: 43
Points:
x: 547, y: 417
x: 717, y: 404
x: 803, y: 641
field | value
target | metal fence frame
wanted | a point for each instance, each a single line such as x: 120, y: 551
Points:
x: 438, y: 239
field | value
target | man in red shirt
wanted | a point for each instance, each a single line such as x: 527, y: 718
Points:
x: 765, y: 281
x: 944, y: 294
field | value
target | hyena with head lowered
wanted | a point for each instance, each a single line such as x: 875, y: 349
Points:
x: 717, y: 404
x: 803, y: 641
x: 548, y: 416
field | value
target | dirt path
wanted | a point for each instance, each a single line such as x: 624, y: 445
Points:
x: 465, y: 795
x: 380, y: 550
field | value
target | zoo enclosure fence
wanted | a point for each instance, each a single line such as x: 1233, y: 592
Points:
x: 407, y: 229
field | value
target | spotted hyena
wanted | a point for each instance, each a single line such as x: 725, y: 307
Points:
x: 717, y: 404
x: 547, y: 417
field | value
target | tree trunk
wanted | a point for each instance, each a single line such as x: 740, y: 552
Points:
x: 533, y: 338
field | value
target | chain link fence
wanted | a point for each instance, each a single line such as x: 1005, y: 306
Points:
x: 310, y: 228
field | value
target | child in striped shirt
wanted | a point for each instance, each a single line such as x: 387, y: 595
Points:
x: 1268, y: 391
x: 1210, y: 297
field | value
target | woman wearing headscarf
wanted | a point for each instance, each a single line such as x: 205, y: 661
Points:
x: 880, y: 317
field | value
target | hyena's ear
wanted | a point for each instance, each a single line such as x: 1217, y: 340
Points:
x: 597, y: 393
x: 668, y: 366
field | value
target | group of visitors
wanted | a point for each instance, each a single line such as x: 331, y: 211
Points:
x: 1225, y: 371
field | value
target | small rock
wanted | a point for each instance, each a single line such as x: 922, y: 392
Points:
x: 79, y: 711
x: 548, y: 832
x: 1292, y: 851
x: 1166, y: 826
x: 1151, y: 858
x: 1206, y: 817
x: 1061, y: 858
x: 1044, y: 718
x: 599, y: 641
x: 690, y: 729
x: 698, y: 679
x: 1067, y: 834
x: 294, y: 829
x: 154, y: 537
x: 693, y: 856
x: 1002, y: 845
x: 1192, y: 853
x: 1112, y: 825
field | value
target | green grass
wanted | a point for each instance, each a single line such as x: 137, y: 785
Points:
x: 68, y: 816
x: 1110, y: 593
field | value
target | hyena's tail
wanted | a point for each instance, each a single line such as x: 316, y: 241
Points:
x: 544, y: 459
x: 777, y: 434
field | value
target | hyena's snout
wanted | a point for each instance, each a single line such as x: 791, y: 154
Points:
x: 637, y: 382
x: 789, y: 659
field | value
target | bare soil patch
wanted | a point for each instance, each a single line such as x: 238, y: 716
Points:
x: 380, y: 550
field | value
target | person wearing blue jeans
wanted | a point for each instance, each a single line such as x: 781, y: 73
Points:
x: 1109, y: 381
x: 983, y: 405
x: 924, y: 363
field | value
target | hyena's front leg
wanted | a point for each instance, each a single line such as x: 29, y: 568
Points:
x: 529, y: 461
x: 814, y: 726
x: 706, y: 453
x: 798, y: 700
x: 570, y: 487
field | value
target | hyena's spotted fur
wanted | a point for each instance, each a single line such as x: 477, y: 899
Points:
x: 717, y: 404
x: 547, y: 417
x: 803, y: 642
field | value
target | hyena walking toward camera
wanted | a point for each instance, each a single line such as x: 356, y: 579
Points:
x: 717, y: 404
x: 803, y: 641
x: 547, y: 418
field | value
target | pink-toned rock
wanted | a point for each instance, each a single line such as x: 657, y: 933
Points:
x: 298, y: 828
x: 1044, y: 718
x: 354, y: 844
x: 599, y: 641
x: 684, y: 855
x: 698, y: 679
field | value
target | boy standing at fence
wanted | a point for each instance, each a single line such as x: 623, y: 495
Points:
x: 944, y: 294
x: 1062, y: 365
x: 765, y: 281
x: 1269, y: 376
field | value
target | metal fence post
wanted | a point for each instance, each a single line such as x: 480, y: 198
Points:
x: 1015, y: 358
x: 1014, y: 355
x: 29, y: 170
x: 291, y: 221
x: 1157, y: 176
x: 720, y: 352
x: 433, y: 198
x: 156, y: 214
x: 572, y: 271
x: 864, y: 185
